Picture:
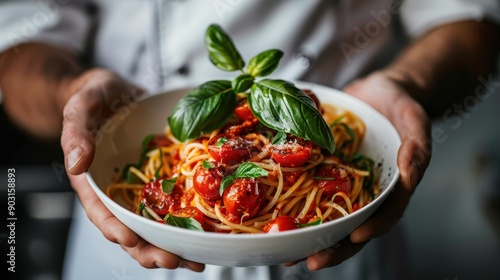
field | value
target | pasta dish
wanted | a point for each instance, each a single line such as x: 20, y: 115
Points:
x: 244, y: 177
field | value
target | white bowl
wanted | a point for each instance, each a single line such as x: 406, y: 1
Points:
x: 120, y: 143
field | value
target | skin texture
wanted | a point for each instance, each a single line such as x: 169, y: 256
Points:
x: 422, y: 81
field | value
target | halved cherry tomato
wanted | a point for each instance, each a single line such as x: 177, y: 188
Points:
x: 153, y: 196
x: 189, y: 212
x: 243, y: 111
x: 335, y: 180
x: 292, y: 153
x: 206, y: 182
x: 233, y: 151
x: 281, y: 223
x: 243, y: 198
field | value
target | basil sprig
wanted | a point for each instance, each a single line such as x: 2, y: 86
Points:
x: 277, y: 104
x: 245, y: 170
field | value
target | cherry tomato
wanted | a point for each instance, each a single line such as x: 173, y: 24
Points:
x: 159, y: 140
x: 280, y: 223
x: 292, y: 153
x: 153, y: 196
x: 207, y: 182
x: 234, y: 150
x: 336, y: 180
x: 243, y: 198
x: 190, y: 212
x: 243, y: 111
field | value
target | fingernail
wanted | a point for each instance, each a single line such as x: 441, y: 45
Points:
x: 74, y: 157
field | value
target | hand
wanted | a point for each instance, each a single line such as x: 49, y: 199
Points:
x: 387, y: 96
x: 94, y: 96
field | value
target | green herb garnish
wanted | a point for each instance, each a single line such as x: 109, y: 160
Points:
x: 277, y: 104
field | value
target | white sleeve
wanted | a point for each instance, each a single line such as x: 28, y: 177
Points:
x: 419, y: 16
x: 64, y: 25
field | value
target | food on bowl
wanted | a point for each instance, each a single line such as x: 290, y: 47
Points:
x: 249, y: 156
x: 244, y: 177
x: 120, y: 144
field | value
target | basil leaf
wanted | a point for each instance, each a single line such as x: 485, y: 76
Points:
x: 279, y: 138
x: 250, y: 170
x: 245, y: 170
x: 207, y: 165
x: 337, y: 121
x: 146, y: 141
x: 130, y: 177
x: 221, y: 141
x: 242, y: 83
x: 167, y: 186
x: 141, y: 207
x: 264, y: 63
x: 202, y: 110
x: 226, y: 182
x: 157, y: 172
x: 221, y: 50
x: 283, y: 107
x: 365, y: 163
x: 313, y: 223
x: 181, y: 222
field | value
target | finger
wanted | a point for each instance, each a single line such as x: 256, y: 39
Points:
x: 384, y: 218
x: 100, y: 216
x: 150, y: 256
x: 410, y: 164
x: 98, y: 94
x: 334, y: 255
x: 80, y: 120
x: 413, y: 126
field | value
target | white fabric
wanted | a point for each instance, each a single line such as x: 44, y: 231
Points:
x: 147, y: 42
x: 47, y: 21
x: 420, y: 16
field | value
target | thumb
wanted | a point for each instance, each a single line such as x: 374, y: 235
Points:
x: 81, y: 116
x: 97, y: 91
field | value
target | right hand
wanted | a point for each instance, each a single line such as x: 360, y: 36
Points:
x: 92, y: 98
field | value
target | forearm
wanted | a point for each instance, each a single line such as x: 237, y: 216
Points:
x: 32, y: 78
x: 443, y: 66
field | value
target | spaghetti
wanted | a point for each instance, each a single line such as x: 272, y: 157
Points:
x: 242, y: 177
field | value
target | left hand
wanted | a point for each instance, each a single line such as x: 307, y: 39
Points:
x: 391, y: 99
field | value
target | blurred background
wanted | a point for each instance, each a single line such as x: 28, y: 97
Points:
x: 451, y: 227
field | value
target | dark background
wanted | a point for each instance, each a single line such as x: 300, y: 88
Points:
x: 43, y: 207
